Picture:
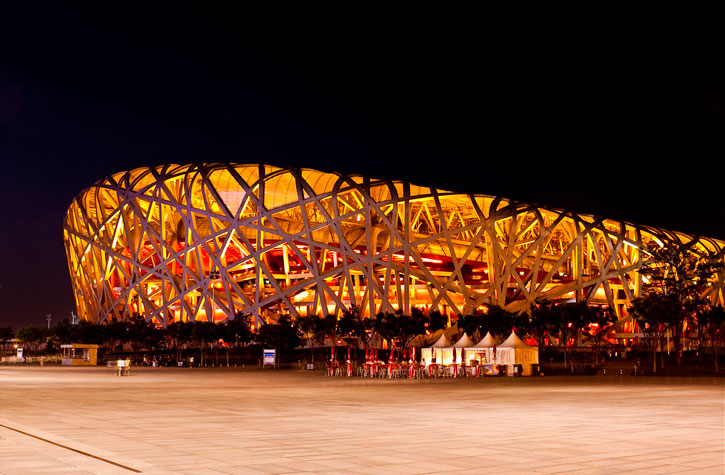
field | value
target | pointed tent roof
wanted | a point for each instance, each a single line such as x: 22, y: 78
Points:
x: 488, y: 341
x: 463, y: 342
x: 513, y: 341
x: 442, y: 342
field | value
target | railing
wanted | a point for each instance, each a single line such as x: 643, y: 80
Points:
x: 409, y: 370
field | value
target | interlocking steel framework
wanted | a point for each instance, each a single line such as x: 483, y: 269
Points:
x: 202, y: 242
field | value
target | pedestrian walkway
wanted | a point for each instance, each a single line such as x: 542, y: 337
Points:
x: 197, y: 421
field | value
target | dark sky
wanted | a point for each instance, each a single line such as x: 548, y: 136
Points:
x: 606, y: 113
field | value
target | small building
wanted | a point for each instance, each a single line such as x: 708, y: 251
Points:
x: 80, y: 354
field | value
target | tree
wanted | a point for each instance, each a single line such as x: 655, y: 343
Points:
x: 601, y: 320
x: 654, y: 313
x: 539, y: 323
x: 180, y: 334
x: 142, y: 333
x: 470, y: 324
x: 713, y: 320
x: 497, y: 321
x: 308, y: 325
x: 700, y: 309
x: 350, y: 326
x: 570, y: 318
x: 6, y: 333
x: 282, y: 336
x: 32, y: 335
x: 63, y: 331
x: 408, y: 328
x: 204, y: 333
x: 436, y: 321
x: 682, y: 272
x: 234, y: 331
x: 116, y: 333
x: 238, y: 329
x: 86, y: 332
x: 317, y: 329
x: 419, y: 322
x: 387, y: 326
x: 328, y: 328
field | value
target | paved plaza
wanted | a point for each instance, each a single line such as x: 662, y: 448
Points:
x: 214, y: 421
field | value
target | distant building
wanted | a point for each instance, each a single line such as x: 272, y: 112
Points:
x: 202, y: 242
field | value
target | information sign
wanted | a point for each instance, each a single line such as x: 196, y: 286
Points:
x: 269, y: 357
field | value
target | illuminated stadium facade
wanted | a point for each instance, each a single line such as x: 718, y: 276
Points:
x: 203, y: 242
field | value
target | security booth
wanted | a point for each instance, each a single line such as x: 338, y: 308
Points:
x: 80, y: 354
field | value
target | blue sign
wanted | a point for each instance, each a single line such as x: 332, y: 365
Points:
x: 269, y: 356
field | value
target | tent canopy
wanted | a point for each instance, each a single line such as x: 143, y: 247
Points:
x: 488, y: 341
x: 514, y: 351
x: 442, y: 342
x: 463, y: 342
x: 513, y: 341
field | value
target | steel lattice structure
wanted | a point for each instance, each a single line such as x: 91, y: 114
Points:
x: 202, y: 242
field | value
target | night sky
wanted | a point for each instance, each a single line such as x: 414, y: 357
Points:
x: 615, y: 115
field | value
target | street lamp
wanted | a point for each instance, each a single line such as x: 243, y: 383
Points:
x: 213, y: 276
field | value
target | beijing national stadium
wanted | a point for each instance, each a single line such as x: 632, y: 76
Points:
x: 206, y: 241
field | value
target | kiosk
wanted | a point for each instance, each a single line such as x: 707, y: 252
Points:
x: 80, y: 354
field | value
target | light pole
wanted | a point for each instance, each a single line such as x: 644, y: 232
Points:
x: 213, y: 276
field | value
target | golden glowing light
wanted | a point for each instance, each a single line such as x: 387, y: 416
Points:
x: 301, y: 241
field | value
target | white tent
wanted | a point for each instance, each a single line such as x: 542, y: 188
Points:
x: 483, y: 350
x: 463, y: 342
x: 440, y: 350
x: 513, y: 351
x: 488, y: 341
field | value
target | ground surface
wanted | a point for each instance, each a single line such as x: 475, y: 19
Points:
x: 198, y: 421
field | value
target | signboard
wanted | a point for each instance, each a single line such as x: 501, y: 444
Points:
x: 20, y: 352
x: 269, y: 357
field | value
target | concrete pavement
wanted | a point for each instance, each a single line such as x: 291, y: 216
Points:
x: 233, y: 421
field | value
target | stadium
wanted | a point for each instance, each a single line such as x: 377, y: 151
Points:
x: 206, y: 241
